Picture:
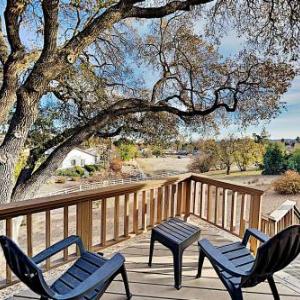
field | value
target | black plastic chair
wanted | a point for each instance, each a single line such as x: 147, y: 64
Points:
x: 238, y: 269
x: 87, y: 278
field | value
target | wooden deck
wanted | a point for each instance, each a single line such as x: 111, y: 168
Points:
x: 158, y: 283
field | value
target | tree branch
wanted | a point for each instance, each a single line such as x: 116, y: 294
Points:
x: 50, y: 11
x: 162, y: 11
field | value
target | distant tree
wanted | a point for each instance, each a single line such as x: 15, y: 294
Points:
x: 274, y: 160
x: 248, y: 153
x: 294, y: 161
x: 226, y: 151
x: 263, y: 137
x: 298, y: 139
x: 128, y: 151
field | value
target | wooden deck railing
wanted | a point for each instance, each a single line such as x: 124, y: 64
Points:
x: 285, y: 215
x: 109, y: 215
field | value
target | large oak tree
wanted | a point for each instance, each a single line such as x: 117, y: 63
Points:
x: 82, y: 68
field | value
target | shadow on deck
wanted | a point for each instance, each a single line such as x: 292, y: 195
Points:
x: 158, y: 283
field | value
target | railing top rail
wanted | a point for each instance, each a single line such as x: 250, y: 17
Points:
x: 241, y: 188
x: 282, y: 210
x: 36, y: 205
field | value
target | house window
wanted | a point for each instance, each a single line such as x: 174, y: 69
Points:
x: 73, y: 162
x: 82, y: 162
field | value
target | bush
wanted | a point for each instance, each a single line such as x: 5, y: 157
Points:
x: 72, y: 172
x: 60, y: 180
x: 116, y: 165
x: 274, y: 160
x: 289, y: 183
x: 91, y: 168
x: 294, y: 161
x: 201, y: 164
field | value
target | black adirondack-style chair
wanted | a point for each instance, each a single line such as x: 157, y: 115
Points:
x: 87, y: 278
x: 238, y: 269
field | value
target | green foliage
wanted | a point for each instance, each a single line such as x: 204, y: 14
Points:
x: 248, y: 152
x: 289, y: 183
x: 128, y: 151
x: 274, y: 160
x: 294, y: 161
x: 20, y: 164
x: 71, y: 172
x: 157, y: 151
x: 91, y: 168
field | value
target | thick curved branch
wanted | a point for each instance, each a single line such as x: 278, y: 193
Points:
x: 162, y: 11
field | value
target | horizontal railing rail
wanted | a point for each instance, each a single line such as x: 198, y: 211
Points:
x: 108, y: 215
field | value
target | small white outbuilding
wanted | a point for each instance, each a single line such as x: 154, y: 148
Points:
x: 79, y: 157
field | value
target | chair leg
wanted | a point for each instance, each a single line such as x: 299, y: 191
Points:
x: 273, y: 288
x: 177, y: 257
x: 126, y: 283
x: 200, y: 263
x: 152, y: 241
x: 237, y: 294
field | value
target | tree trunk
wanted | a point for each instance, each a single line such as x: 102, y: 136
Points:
x: 228, y: 167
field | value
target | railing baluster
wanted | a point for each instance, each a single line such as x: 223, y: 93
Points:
x: 144, y: 211
x: 126, y: 215
x: 255, y: 217
x: 233, y: 211
x: 159, y: 205
x: 116, y: 218
x: 216, y: 205
x: 166, y: 202
x: 152, y: 207
x: 9, y: 232
x: 179, y: 199
x: 225, y: 208
x: 173, y: 191
x: 29, y: 234
x: 48, y: 236
x: 187, y: 199
x: 194, y: 197
x: 208, y: 216
x: 203, y: 200
x: 66, y: 230
x: 183, y: 198
x: 135, y: 214
x: 242, y: 221
x: 103, y: 221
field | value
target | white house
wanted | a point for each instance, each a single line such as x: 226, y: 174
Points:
x: 79, y: 157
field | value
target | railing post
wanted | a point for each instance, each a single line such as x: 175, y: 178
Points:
x: 255, y: 218
x: 84, y: 223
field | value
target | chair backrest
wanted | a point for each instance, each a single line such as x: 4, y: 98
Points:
x: 275, y: 254
x: 24, y: 268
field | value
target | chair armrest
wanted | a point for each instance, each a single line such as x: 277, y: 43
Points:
x: 59, y: 246
x: 216, y: 257
x: 100, y: 276
x: 255, y: 233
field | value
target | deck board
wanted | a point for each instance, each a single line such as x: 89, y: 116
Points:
x: 157, y: 283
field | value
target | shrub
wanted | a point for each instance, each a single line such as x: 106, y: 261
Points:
x: 60, y: 180
x: 79, y: 170
x: 289, y: 183
x: 294, y: 161
x: 201, y: 164
x: 116, y: 165
x: 274, y: 160
x: 72, y: 172
x: 91, y: 168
